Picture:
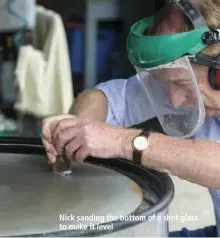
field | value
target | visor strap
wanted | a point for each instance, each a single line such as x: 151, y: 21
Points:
x: 206, y: 60
x: 192, y: 12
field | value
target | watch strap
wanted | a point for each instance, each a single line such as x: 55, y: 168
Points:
x: 137, y: 154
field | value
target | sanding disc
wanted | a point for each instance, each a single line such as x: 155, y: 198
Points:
x: 33, y: 200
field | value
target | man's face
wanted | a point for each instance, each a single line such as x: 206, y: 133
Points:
x: 180, y: 85
x: 182, y: 90
x: 171, y: 20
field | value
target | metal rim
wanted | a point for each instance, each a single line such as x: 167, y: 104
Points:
x: 33, y: 146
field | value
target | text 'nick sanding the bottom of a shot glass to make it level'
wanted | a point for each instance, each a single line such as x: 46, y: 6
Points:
x: 96, y: 222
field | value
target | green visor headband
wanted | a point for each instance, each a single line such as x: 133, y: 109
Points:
x: 146, y: 51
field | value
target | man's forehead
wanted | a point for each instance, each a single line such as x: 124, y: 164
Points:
x: 178, y: 74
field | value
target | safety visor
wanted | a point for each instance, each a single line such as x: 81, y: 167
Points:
x: 147, y: 51
x: 175, y: 97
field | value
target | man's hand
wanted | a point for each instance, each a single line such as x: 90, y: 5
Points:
x: 47, y: 129
x: 77, y: 138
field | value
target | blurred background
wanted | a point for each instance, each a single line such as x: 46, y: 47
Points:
x: 51, y: 50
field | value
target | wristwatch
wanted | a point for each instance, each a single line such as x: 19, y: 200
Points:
x: 140, y: 143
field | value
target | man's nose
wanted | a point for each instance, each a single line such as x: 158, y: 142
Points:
x: 177, y: 95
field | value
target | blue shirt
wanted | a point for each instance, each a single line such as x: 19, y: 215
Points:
x: 128, y: 105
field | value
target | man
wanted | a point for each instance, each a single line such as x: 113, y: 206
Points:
x: 183, y: 92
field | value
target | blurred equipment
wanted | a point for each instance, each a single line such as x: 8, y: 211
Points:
x: 8, y: 127
x: 43, y: 71
x: 95, y: 12
x: 17, y: 20
x: 17, y: 14
x: 107, y: 50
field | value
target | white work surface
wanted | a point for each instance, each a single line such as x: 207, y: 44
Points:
x: 191, y: 201
x: 95, y: 10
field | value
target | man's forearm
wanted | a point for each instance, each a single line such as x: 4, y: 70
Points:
x: 191, y: 160
x: 92, y: 104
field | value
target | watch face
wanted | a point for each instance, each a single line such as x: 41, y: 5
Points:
x: 141, y: 143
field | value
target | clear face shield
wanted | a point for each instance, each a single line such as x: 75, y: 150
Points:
x: 175, y: 97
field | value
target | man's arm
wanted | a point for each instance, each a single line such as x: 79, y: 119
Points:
x: 192, y: 160
x: 105, y: 103
x: 119, y: 102
x: 92, y: 104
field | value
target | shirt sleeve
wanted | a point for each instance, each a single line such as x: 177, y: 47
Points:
x: 114, y: 91
x: 128, y: 103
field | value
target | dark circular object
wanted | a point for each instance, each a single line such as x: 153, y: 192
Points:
x: 126, y: 189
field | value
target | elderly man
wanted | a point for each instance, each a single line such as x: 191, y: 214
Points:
x: 176, y: 58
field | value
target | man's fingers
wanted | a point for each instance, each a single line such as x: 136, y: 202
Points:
x: 63, y: 138
x: 51, y: 158
x: 81, y: 154
x: 46, y: 125
x: 46, y: 129
x: 50, y: 151
x: 49, y: 147
x: 71, y: 148
x: 63, y: 125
